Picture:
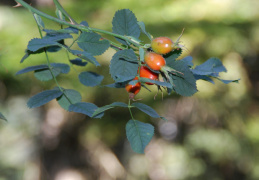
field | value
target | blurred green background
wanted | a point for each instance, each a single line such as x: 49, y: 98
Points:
x: 212, y: 135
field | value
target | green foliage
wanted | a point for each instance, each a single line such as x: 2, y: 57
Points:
x: 85, y: 108
x: 125, y: 23
x: 69, y: 96
x: 146, y: 109
x: 43, y: 98
x: 110, y: 106
x: 90, y: 42
x: 178, y: 75
x: 124, y: 65
x: 139, y: 135
x: 90, y: 78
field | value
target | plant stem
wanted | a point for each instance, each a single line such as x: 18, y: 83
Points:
x: 77, y: 26
x: 48, y: 63
x: 58, y: 5
x: 129, y: 106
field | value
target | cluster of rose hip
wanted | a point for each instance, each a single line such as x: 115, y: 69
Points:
x: 154, y: 61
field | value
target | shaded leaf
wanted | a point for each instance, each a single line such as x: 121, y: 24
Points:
x: 78, y: 62
x: 90, y: 78
x: 56, y: 68
x: 125, y: 23
x: 165, y: 84
x: 85, y: 108
x: 172, y: 56
x: 139, y: 135
x: 36, y: 44
x: 110, y: 106
x: 209, y: 67
x: 43, y: 98
x: 124, y: 65
x: 2, y: 117
x: 32, y: 68
x: 84, y: 55
x: 69, y: 96
x: 146, y: 109
x: 90, y: 42
x: 184, y: 85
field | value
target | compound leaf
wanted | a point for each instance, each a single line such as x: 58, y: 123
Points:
x: 110, y: 106
x: 85, y: 108
x: 124, y: 65
x: 90, y: 78
x: 90, y: 42
x: 56, y: 68
x: 125, y: 23
x: 139, y: 135
x: 43, y: 98
x: 69, y: 96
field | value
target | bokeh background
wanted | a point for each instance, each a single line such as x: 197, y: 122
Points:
x: 212, y: 135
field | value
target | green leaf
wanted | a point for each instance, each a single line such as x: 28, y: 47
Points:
x: 188, y: 61
x: 60, y: 15
x: 143, y: 29
x: 2, y: 117
x: 56, y: 68
x: 84, y: 55
x: 146, y: 109
x: 78, y: 62
x: 85, y: 108
x: 36, y: 44
x: 32, y: 68
x: 90, y: 42
x: 172, y: 56
x: 229, y: 81
x: 124, y: 65
x: 184, y: 85
x: 43, y: 98
x: 110, y: 106
x: 139, y: 135
x: 90, y: 78
x: 39, y: 20
x: 209, y: 67
x: 204, y: 77
x: 159, y: 83
x: 69, y: 97
x: 125, y: 23
x: 141, y: 54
